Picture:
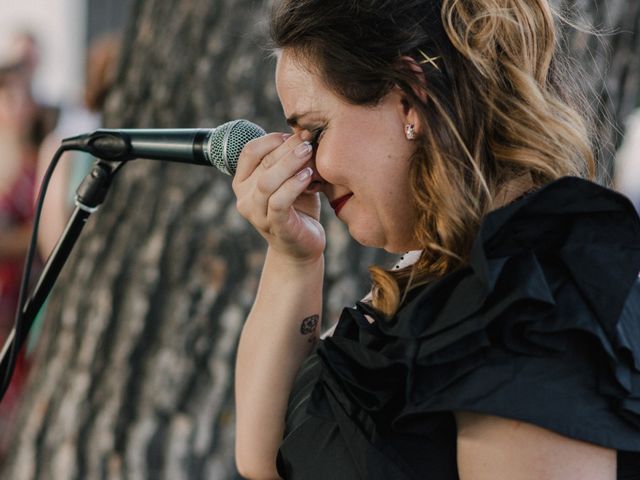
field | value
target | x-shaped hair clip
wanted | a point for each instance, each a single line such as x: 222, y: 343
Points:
x: 428, y: 59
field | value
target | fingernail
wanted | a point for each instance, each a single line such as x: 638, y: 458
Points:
x: 305, y: 173
x: 303, y: 149
x: 286, y: 136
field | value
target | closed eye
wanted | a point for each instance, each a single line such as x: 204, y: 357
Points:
x: 315, y: 136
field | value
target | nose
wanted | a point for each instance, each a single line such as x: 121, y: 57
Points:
x: 316, y: 179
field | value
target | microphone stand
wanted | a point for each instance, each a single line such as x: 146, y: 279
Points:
x: 89, y: 196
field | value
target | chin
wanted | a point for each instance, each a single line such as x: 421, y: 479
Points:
x: 373, y: 240
x: 366, y: 239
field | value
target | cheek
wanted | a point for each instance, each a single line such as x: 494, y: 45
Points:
x: 344, y: 153
x: 329, y: 162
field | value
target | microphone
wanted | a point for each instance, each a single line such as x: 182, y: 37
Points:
x: 219, y: 147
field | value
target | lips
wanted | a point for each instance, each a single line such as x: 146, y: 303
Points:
x: 339, y: 202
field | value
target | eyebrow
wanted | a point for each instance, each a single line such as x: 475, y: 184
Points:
x: 295, y: 120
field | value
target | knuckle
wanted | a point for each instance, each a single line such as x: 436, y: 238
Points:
x: 263, y: 186
x: 235, y: 186
x: 250, y: 149
x: 259, y: 147
x: 266, y: 162
x: 241, y: 207
x: 276, y: 205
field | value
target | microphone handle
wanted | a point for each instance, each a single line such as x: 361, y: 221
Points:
x: 184, y: 145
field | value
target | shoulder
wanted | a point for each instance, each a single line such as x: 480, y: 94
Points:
x: 491, y: 447
x: 542, y: 326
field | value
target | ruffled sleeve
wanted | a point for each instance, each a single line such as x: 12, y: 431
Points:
x: 542, y: 326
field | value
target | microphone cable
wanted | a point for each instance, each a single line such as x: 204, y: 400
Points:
x: 26, y: 273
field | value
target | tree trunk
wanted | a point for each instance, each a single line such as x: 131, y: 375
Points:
x: 133, y: 377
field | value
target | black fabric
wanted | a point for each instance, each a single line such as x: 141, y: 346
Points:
x: 543, y: 326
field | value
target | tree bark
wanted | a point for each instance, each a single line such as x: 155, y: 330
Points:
x: 134, y: 373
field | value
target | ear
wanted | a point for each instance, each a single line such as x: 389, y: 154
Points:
x: 409, y: 111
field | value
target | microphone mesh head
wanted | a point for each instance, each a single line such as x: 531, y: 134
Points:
x: 227, y: 141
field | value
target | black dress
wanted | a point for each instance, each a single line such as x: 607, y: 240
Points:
x: 543, y: 326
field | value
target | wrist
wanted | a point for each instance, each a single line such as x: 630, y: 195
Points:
x: 294, y: 263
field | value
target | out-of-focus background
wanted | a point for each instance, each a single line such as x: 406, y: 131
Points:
x: 63, y: 30
x: 627, y: 163
x: 48, y: 88
x: 129, y: 369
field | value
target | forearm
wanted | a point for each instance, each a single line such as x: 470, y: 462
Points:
x: 272, y: 346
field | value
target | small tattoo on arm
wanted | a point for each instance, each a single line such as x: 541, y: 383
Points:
x: 309, y: 324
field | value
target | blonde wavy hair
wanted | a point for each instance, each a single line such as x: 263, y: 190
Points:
x: 498, y: 103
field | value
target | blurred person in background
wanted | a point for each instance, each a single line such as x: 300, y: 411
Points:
x: 23, y: 125
x: 74, y: 119
x: 17, y: 113
x: 100, y: 71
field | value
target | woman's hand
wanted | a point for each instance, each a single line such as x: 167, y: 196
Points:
x: 270, y: 182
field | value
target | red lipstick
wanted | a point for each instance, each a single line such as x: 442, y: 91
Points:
x: 339, y: 202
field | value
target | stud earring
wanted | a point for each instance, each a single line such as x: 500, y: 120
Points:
x: 410, y: 131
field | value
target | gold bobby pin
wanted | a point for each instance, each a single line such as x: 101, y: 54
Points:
x: 428, y: 59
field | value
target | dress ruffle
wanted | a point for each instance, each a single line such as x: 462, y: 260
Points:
x: 542, y: 326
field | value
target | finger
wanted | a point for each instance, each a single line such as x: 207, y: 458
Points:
x: 272, y: 178
x: 282, y: 200
x: 254, y: 152
x: 289, y: 146
x: 254, y: 193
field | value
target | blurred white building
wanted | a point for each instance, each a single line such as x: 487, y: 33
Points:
x: 628, y: 161
x: 60, y: 28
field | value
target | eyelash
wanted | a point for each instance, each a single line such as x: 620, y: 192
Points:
x: 316, y: 136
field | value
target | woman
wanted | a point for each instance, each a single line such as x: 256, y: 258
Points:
x: 507, y: 347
